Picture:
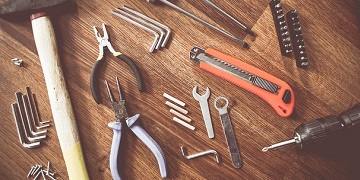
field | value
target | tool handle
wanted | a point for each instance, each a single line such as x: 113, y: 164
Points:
x: 94, y: 85
x: 154, y: 147
x: 115, y: 145
x: 135, y: 69
x: 317, y: 133
x: 283, y: 102
x: 59, y: 98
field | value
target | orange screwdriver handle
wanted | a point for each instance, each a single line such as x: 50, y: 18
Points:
x: 283, y: 101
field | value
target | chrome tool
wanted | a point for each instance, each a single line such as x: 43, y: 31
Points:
x: 239, y: 41
x: 183, y: 151
x: 203, y: 100
x: 229, y: 132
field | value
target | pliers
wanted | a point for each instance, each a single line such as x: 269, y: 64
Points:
x: 104, y: 42
x: 121, y: 115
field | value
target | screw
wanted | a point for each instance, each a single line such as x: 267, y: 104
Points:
x: 17, y: 61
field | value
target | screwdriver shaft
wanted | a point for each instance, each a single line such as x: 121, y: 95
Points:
x: 239, y: 41
x: 280, y: 144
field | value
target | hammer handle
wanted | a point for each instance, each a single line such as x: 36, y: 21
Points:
x: 59, y: 97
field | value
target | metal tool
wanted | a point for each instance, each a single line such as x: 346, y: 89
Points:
x: 17, y: 61
x: 297, y: 39
x: 280, y: 27
x: 26, y: 127
x: 16, y: 113
x: 229, y: 132
x: 324, y: 131
x: 156, y: 39
x: 168, y: 30
x: 203, y: 100
x: 34, y: 111
x: 273, y: 90
x: 104, y: 42
x: 239, y: 41
x: 144, y: 22
x: 121, y: 115
x: 38, y: 170
x: 183, y: 151
x: 30, y: 120
x: 237, y: 22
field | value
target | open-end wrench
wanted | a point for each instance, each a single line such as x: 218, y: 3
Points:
x: 203, y: 100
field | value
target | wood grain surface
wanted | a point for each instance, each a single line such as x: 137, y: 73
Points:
x: 330, y: 85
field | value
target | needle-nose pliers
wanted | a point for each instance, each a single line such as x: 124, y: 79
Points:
x: 104, y: 42
x: 121, y: 116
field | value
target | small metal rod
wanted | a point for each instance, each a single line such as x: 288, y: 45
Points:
x: 241, y: 25
x: 22, y: 117
x: 239, y: 41
x: 140, y: 26
x: 280, y: 144
x: 34, y: 110
x: 30, y: 120
x: 138, y: 19
x: 168, y: 33
x: 183, y: 151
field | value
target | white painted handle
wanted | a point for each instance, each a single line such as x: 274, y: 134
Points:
x: 59, y: 98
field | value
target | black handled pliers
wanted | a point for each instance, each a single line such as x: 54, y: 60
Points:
x: 104, y: 42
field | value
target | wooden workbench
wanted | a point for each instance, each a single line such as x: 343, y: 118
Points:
x: 330, y: 85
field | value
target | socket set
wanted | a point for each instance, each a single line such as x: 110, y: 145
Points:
x: 281, y: 27
x: 297, y: 39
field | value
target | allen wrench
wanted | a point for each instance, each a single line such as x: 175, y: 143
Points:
x: 27, y: 132
x: 15, y: 110
x: 34, y: 110
x: 30, y: 119
x: 142, y: 21
x: 153, y: 45
x: 183, y: 151
x: 168, y: 30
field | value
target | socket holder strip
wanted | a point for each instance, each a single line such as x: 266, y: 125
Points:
x: 297, y: 40
x: 281, y: 27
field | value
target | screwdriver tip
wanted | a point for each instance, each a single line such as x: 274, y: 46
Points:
x: 265, y: 149
x: 247, y: 30
x: 246, y: 45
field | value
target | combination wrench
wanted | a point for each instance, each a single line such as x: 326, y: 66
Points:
x: 203, y: 100
x: 229, y: 132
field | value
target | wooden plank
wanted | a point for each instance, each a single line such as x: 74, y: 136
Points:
x: 330, y: 85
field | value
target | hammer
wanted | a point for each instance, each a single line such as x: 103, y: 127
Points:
x: 49, y: 57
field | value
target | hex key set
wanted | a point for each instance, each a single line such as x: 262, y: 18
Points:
x: 26, y: 116
x: 146, y: 23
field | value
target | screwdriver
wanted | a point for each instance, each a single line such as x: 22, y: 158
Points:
x: 323, y: 131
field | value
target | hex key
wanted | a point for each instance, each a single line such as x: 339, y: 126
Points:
x: 140, y: 26
x: 34, y: 109
x: 22, y: 117
x: 15, y: 110
x: 145, y: 23
x: 30, y: 120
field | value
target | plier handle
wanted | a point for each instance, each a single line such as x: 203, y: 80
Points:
x: 104, y: 42
x: 121, y: 115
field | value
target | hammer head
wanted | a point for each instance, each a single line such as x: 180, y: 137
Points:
x: 15, y: 7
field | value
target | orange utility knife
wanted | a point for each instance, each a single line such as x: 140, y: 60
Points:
x: 273, y: 90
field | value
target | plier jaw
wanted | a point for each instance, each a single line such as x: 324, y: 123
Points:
x: 119, y: 108
x: 103, y: 42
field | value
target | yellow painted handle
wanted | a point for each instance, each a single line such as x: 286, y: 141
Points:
x: 60, y: 103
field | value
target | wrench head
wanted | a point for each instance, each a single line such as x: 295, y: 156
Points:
x: 198, y: 96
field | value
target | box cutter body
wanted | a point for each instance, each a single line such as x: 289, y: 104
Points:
x: 274, y: 91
